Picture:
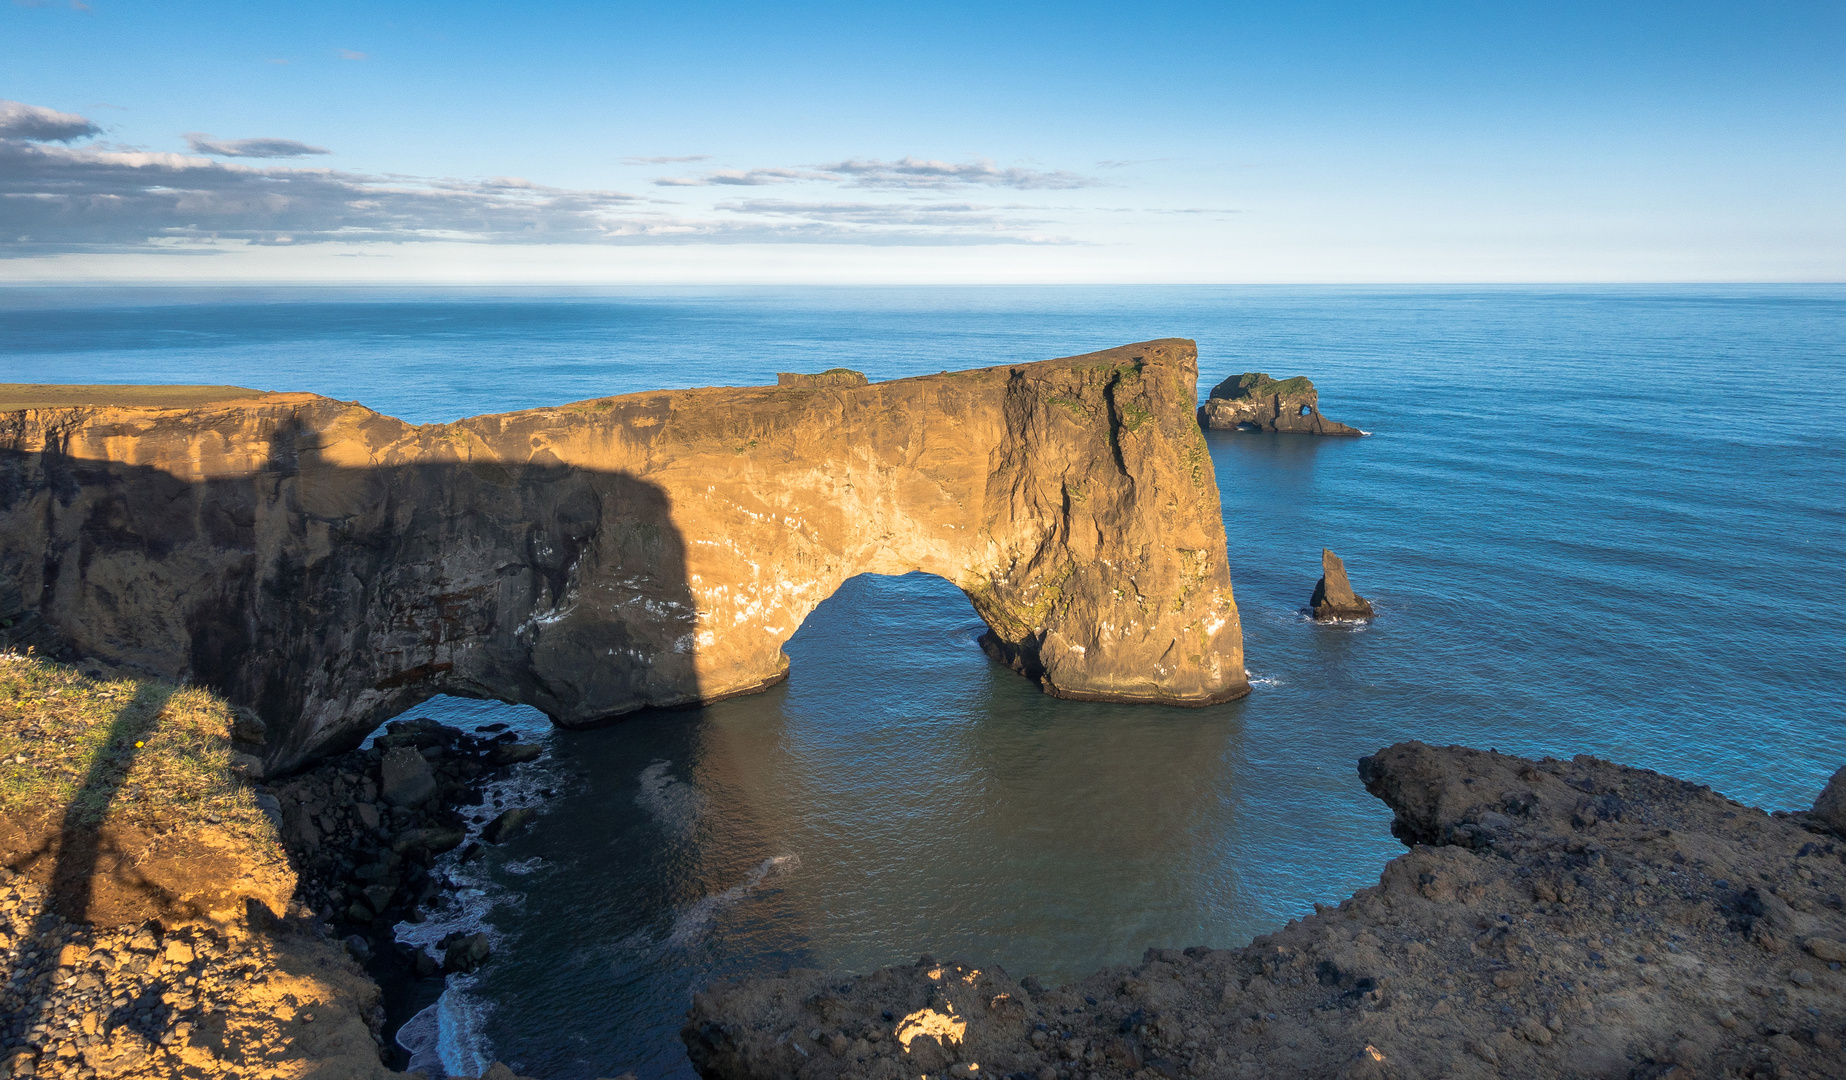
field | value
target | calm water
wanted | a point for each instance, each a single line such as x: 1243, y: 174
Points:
x: 1605, y: 521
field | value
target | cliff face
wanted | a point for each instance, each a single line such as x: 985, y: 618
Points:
x: 1256, y: 402
x: 329, y: 567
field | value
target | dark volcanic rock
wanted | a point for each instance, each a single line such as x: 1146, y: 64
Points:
x: 328, y: 567
x: 405, y: 778
x: 1552, y: 919
x: 509, y: 823
x: 1333, y: 596
x: 1256, y: 402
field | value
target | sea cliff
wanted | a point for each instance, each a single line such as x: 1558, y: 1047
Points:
x: 327, y: 567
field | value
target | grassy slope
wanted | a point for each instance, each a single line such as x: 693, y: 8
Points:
x: 58, y: 396
x: 126, y: 751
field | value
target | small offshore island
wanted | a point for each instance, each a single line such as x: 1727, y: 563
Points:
x: 211, y: 596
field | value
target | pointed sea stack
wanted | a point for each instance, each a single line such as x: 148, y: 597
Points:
x: 1255, y: 402
x: 1333, y: 595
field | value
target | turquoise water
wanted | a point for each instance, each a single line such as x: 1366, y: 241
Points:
x: 1602, y: 521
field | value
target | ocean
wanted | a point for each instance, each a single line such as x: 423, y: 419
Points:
x: 1593, y: 520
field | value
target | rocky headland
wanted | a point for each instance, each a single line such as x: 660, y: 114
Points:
x: 327, y: 567
x: 1255, y: 402
x: 1550, y: 919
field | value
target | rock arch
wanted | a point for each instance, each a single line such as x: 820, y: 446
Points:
x: 329, y: 567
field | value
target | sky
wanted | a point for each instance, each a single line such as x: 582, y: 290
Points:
x: 951, y: 143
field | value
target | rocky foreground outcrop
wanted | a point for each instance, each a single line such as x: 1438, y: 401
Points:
x: 1551, y: 919
x: 1255, y: 402
x: 329, y: 567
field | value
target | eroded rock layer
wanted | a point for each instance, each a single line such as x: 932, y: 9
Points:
x: 1551, y: 919
x: 329, y: 567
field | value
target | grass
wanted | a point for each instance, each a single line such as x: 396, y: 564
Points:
x: 59, y: 396
x: 1257, y: 384
x: 120, y: 751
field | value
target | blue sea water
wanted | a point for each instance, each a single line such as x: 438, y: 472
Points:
x: 1593, y: 520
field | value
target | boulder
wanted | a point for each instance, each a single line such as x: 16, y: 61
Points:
x: 466, y: 954
x: 405, y: 778
x: 1333, y: 596
x: 508, y: 824
x: 1830, y: 808
x: 514, y: 754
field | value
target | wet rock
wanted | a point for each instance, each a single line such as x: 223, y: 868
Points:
x: 405, y: 778
x: 514, y: 753
x: 1333, y: 596
x: 433, y: 839
x: 509, y: 823
x: 465, y: 954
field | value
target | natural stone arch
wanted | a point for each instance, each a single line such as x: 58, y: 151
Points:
x: 329, y: 567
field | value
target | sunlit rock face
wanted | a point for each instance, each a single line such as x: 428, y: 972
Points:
x: 329, y: 567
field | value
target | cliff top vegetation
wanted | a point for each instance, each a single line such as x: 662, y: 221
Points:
x: 1257, y: 384
x: 15, y: 396
x: 125, y: 751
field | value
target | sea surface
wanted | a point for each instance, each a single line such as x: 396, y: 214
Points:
x: 1593, y: 520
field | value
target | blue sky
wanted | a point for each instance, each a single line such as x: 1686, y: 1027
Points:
x: 1025, y: 142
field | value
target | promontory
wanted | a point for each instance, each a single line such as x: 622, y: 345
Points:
x: 327, y: 567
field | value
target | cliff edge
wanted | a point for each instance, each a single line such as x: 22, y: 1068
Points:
x: 329, y: 567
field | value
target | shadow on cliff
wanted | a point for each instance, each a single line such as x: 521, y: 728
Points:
x: 328, y: 599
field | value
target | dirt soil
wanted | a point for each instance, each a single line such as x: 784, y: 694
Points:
x: 1551, y: 919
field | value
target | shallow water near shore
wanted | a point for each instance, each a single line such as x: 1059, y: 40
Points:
x: 1603, y: 521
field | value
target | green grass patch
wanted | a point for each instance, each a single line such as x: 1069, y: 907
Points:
x: 1256, y: 384
x: 121, y: 751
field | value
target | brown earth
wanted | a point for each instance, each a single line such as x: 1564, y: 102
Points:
x: 1551, y: 919
x: 1255, y: 402
x: 328, y: 567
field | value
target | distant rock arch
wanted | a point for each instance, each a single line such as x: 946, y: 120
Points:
x: 329, y: 567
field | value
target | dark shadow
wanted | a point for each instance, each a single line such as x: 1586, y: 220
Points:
x: 328, y: 599
x: 76, y: 844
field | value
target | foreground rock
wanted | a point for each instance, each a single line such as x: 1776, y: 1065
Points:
x: 1552, y: 919
x: 147, y: 920
x: 1255, y: 402
x: 1333, y: 597
x: 329, y: 567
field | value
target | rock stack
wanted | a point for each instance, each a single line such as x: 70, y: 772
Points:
x: 1255, y: 402
x: 1333, y: 596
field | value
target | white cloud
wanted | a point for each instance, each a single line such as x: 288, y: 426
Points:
x: 352, y: 54
x: 741, y: 178
x: 913, y: 172
x: 39, y: 124
x: 202, y: 143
